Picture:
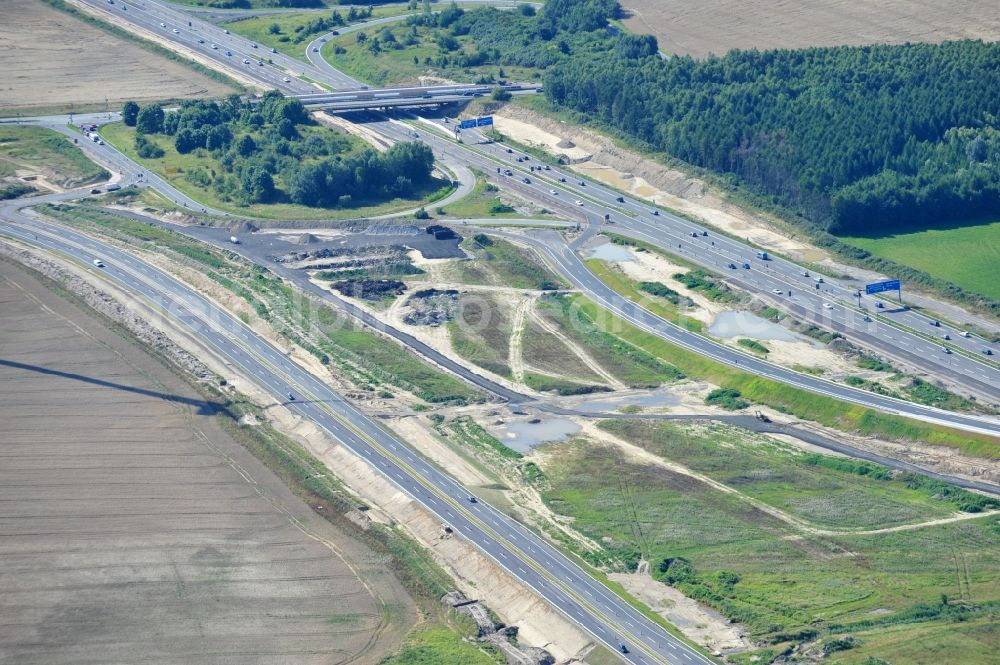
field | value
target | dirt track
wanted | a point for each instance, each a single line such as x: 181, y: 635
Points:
x: 133, y: 529
x: 716, y: 26
x: 54, y: 62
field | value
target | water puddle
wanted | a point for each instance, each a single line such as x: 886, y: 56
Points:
x: 745, y: 324
x: 611, y: 252
x: 613, y: 404
x: 522, y: 437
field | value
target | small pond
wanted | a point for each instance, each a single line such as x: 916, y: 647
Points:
x: 522, y: 437
x: 745, y: 324
x: 611, y: 252
x: 652, y: 399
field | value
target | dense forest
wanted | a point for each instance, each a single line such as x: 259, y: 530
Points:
x: 270, y: 151
x: 853, y: 138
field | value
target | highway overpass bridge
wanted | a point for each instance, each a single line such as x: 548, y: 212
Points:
x: 378, y: 98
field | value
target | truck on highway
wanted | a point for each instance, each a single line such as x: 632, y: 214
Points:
x: 763, y: 256
x: 234, y: 240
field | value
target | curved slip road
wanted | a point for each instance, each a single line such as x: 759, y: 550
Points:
x: 569, y: 265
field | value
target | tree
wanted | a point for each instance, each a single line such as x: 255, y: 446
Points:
x: 218, y: 137
x: 501, y: 94
x: 188, y: 140
x: 449, y: 15
x: 274, y: 29
x: 130, y: 111
x: 259, y: 185
x: 149, y: 120
x: 245, y: 146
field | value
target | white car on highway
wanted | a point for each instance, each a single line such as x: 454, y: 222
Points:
x: 286, y: 80
x: 215, y: 46
x: 827, y: 305
x: 176, y: 31
x: 777, y: 292
x: 578, y: 202
x: 553, y: 192
x: 163, y: 25
x: 99, y: 263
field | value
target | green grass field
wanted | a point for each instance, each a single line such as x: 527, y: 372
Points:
x: 967, y: 255
x: 293, y: 36
x: 39, y: 149
x: 497, y: 262
x: 762, y: 571
x: 481, y: 333
x: 625, y: 361
x: 544, y: 351
x: 481, y: 203
x: 174, y: 166
x: 607, y: 273
x: 441, y: 646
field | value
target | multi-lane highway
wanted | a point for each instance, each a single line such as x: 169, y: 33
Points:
x: 271, y: 68
x: 523, y: 554
x: 526, y: 556
x: 896, y: 334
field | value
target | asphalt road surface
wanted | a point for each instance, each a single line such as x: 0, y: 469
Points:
x: 524, y: 555
x: 896, y: 332
x: 572, y: 268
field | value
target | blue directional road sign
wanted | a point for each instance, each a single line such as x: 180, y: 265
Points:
x: 879, y: 287
x: 467, y: 124
x: 484, y: 122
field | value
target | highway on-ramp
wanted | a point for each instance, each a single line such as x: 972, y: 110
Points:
x: 526, y: 556
x: 569, y: 265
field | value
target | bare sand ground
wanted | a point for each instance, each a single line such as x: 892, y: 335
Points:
x: 716, y: 26
x: 54, y: 62
x: 133, y: 528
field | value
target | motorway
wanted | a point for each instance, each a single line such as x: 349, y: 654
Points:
x: 269, y: 68
x: 526, y: 556
x: 896, y: 334
x: 894, y: 331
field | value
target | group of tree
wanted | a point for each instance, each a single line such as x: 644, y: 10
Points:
x: 319, y: 24
x: 505, y: 38
x: 852, y: 138
x: 265, y: 154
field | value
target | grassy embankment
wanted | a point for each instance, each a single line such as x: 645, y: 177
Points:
x: 484, y: 201
x: 412, y: 53
x: 966, y: 254
x: 40, y: 149
x: 175, y: 168
x: 784, y: 580
x: 632, y: 290
x: 368, y: 360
